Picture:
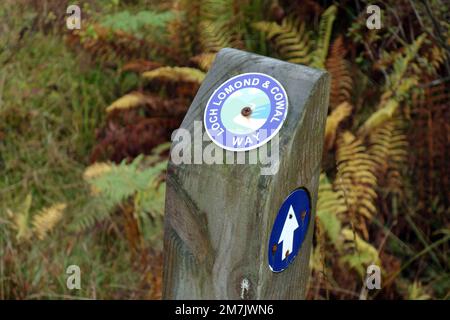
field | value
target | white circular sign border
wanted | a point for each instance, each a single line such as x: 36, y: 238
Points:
x: 268, y: 138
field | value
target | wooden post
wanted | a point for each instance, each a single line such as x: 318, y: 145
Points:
x: 219, y: 217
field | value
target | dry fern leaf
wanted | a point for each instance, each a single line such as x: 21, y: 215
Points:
x: 429, y: 138
x: 389, y: 150
x: 341, y: 80
x: 290, y: 39
x: 47, y: 219
x: 204, y: 60
x: 140, y: 66
x: 96, y: 170
x: 356, y: 179
x: 175, y: 74
x: 155, y: 106
x: 333, y: 120
x: 21, y: 218
x: 128, y: 101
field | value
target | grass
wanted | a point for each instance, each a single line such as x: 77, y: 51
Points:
x: 51, y: 103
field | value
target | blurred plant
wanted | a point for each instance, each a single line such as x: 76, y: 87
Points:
x: 122, y: 185
x: 37, y: 225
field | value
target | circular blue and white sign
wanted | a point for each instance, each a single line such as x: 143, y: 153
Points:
x: 246, y: 111
x: 289, y: 229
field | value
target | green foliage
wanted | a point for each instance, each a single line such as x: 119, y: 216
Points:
x: 352, y: 250
x: 137, y: 23
x: 360, y: 254
x: 397, y: 88
x: 290, y: 39
x: 112, y: 185
x: 220, y: 24
x: 294, y: 43
x: 175, y: 74
x: 324, y: 36
x: 329, y: 207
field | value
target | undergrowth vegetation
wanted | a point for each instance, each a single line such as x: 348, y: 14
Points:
x: 85, y: 117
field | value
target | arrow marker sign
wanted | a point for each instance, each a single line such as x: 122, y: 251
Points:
x: 287, y: 235
x: 289, y: 230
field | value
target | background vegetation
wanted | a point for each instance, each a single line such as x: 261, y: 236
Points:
x: 85, y: 117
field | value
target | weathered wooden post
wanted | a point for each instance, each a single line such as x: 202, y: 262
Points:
x: 219, y: 217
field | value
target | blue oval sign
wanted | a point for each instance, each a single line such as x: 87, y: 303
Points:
x: 246, y: 111
x: 289, y: 229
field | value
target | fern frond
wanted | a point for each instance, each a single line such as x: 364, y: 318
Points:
x: 124, y: 180
x: 175, y: 74
x: 128, y: 101
x: 333, y: 120
x: 389, y: 150
x: 94, y: 210
x: 436, y: 58
x: 204, y: 60
x: 21, y: 219
x: 401, y: 65
x: 360, y: 253
x: 341, y: 80
x: 212, y: 37
x: 356, y: 179
x: 184, y: 28
x: 140, y: 66
x: 323, y: 42
x: 330, y: 205
x: 115, y: 184
x: 290, y: 39
x: 398, y: 87
x: 416, y: 291
x: 430, y: 144
x: 220, y: 25
x: 47, y: 219
x: 379, y: 117
x: 153, y: 105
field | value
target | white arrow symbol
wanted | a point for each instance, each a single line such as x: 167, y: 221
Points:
x: 287, y: 234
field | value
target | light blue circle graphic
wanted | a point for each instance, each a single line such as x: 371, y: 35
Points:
x: 246, y: 111
x: 256, y: 100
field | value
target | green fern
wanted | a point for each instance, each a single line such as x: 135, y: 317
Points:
x: 360, y: 253
x: 122, y: 182
x: 398, y: 87
x: 219, y: 25
x: 324, y: 37
x: 290, y: 39
x: 330, y: 205
x: 332, y: 213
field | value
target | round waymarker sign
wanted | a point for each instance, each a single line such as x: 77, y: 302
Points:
x: 246, y: 111
x: 289, y: 230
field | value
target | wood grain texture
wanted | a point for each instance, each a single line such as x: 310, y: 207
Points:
x: 219, y: 217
